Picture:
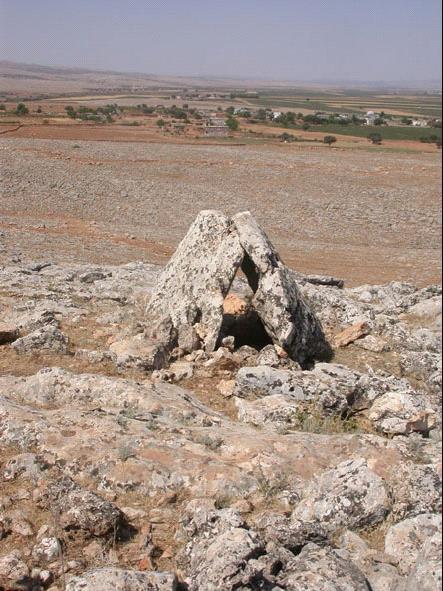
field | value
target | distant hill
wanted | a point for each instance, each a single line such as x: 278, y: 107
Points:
x: 35, y: 79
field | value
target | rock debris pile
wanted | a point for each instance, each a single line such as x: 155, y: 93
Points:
x: 224, y: 423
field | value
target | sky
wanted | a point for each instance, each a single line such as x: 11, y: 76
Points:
x: 380, y: 40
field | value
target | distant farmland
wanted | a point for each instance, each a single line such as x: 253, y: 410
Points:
x: 387, y: 133
x: 425, y: 105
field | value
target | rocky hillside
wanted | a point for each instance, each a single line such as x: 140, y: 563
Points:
x: 231, y: 458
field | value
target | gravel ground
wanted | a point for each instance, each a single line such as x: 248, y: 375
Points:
x: 367, y: 215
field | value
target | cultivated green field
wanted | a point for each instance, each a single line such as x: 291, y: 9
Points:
x: 387, y: 133
x: 424, y: 104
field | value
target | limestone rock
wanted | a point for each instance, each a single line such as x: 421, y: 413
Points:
x: 276, y: 409
x: 105, y: 579
x: 268, y: 356
x: 372, y: 343
x: 416, y: 488
x: 194, y: 284
x: 400, y: 412
x: 221, y: 551
x: 406, y: 539
x: 80, y: 509
x: 283, y: 311
x: 297, y: 386
x: 318, y: 568
x: 48, y: 339
x: 351, y: 495
x: 426, y: 574
x: 351, y: 334
x: 139, y: 352
x: 12, y: 569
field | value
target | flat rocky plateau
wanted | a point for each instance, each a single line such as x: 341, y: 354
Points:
x: 218, y: 465
x: 369, y: 216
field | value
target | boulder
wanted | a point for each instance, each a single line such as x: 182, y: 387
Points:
x: 351, y: 495
x: 318, y: 568
x: 139, y: 353
x: 416, y: 488
x: 48, y: 339
x: 13, y: 570
x: 83, y: 510
x: 118, y: 579
x: 426, y: 573
x: 316, y: 387
x: 193, y: 286
x: 407, y: 538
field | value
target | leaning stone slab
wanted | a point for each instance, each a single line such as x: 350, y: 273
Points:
x: 192, y: 288
x: 285, y: 315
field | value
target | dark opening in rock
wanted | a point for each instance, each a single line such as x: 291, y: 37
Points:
x: 246, y: 328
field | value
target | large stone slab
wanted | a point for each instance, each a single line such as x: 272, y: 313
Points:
x: 192, y: 288
x: 286, y: 316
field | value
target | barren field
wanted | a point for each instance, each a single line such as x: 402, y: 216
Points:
x: 369, y: 215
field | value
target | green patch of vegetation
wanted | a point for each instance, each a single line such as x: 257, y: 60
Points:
x: 386, y: 132
x: 21, y: 109
x: 232, y: 123
x: 329, y: 139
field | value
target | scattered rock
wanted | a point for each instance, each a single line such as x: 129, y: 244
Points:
x: 351, y: 334
x: 105, y: 579
x: 406, y: 539
x: 13, y: 569
x: 80, y: 509
x: 318, y: 568
x: 426, y: 573
x: 48, y: 339
x: 138, y: 352
x: 350, y: 496
x: 372, y: 343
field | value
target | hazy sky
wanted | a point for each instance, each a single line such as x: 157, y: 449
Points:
x: 288, y: 39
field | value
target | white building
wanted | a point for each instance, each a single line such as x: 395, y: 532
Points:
x: 370, y: 118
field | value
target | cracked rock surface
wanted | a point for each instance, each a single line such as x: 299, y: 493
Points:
x: 233, y: 468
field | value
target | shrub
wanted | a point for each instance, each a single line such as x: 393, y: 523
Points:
x: 21, y: 109
x: 70, y: 111
x: 329, y: 140
x: 232, y: 123
x: 375, y: 138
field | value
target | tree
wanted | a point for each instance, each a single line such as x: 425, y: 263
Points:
x: 230, y: 110
x: 287, y: 137
x: 375, y: 138
x: 70, y: 111
x: 161, y: 122
x: 329, y: 140
x: 261, y: 115
x: 232, y: 123
x: 21, y: 109
x: 406, y: 121
x: 2, y: 107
